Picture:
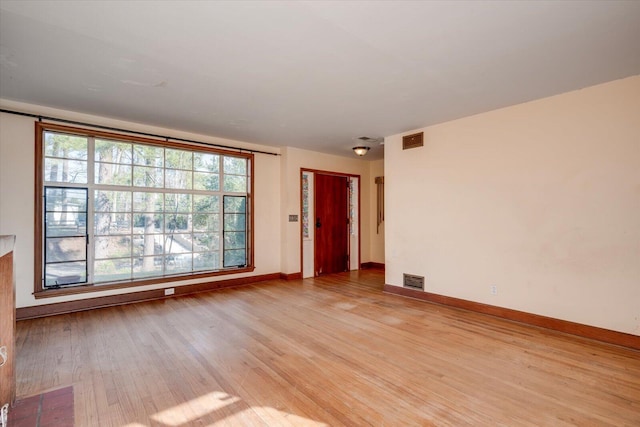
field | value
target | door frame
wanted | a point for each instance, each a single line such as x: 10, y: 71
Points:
x: 359, y: 200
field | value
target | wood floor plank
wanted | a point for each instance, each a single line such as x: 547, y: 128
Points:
x: 333, y: 350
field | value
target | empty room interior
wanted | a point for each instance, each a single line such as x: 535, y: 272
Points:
x: 292, y: 213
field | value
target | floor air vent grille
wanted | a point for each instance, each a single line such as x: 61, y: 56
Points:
x: 413, y: 282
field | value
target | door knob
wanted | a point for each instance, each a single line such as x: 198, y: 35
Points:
x: 318, y: 223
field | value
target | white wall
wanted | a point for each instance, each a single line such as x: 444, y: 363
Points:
x: 17, y: 198
x: 540, y: 199
x: 292, y: 160
x: 17, y: 142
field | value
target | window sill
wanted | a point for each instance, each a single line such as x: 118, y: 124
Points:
x: 81, y: 289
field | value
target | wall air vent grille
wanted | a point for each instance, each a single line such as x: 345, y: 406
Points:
x: 413, y: 282
x: 413, y: 141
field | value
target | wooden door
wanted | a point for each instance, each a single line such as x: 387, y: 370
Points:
x: 332, y: 224
x: 7, y: 322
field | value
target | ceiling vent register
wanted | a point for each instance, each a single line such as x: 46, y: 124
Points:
x: 413, y: 141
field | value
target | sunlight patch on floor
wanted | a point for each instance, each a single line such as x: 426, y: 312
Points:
x: 194, y: 408
x: 273, y: 416
x: 344, y: 306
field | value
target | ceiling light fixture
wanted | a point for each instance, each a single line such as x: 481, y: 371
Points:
x: 361, y: 150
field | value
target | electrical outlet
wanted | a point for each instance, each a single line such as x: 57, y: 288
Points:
x: 169, y: 291
x: 494, y: 290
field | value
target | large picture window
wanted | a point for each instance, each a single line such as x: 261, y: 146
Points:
x: 118, y: 209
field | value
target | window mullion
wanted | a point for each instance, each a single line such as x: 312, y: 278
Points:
x: 221, y: 214
x: 90, y: 208
x: 163, y: 256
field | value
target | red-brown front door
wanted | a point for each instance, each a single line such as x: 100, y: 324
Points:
x: 332, y: 224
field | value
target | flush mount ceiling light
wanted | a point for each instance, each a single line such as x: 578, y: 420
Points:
x: 361, y: 150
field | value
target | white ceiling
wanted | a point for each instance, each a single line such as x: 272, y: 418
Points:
x: 313, y: 75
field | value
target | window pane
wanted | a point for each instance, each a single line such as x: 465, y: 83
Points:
x: 235, y: 183
x: 235, y: 165
x: 178, y: 263
x: 112, y: 223
x: 205, y: 162
x: 148, y: 177
x: 113, y: 174
x: 206, y: 261
x: 65, y: 146
x: 148, y: 245
x: 177, y: 203
x: 206, y: 181
x: 178, y: 159
x: 235, y: 258
x: 147, y: 155
x: 234, y: 222
x: 177, y: 244
x: 234, y: 240
x: 203, y: 204
x: 235, y: 204
x: 206, y: 222
x: 113, y: 151
x: 66, y: 224
x: 148, y: 202
x: 147, y: 266
x: 112, y: 201
x: 66, y: 199
x: 148, y: 223
x: 112, y: 269
x: 65, y: 249
x: 177, y: 223
x: 178, y: 179
x: 66, y: 273
x: 203, y: 242
x: 62, y: 170
x: 112, y: 247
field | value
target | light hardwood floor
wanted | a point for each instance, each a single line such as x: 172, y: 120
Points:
x: 328, y: 351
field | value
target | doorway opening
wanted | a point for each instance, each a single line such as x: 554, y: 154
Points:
x: 330, y: 222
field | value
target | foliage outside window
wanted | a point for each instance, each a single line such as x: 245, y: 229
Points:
x: 117, y: 209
